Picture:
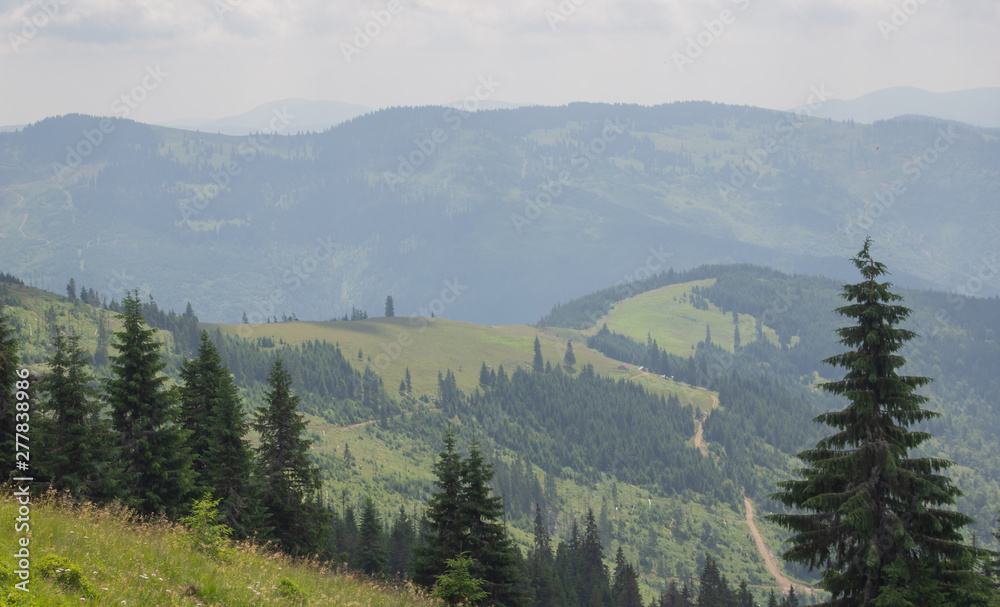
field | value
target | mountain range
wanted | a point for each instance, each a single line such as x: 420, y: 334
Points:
x: 488, y: 216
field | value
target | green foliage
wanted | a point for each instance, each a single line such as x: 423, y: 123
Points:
x: 290, y: 480
x: 78, y: 454
x: 291, y: 591
x: 206, y: 533
x: 8, y: 376
x: 456, y: 586
x: 878, y: 523
x: 157, y: 475
x: 65, y: 573
x: 569, y: 358
x: 211, y: 412
x: 462, y: 516
x: 371, y: 553
x: 537, y: 364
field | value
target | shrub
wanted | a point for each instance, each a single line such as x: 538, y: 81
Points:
x: 66, y: 574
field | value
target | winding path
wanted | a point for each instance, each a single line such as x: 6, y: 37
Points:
x: 770, y: 561
x: 699, y: 440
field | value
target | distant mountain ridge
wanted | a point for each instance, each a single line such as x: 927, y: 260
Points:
x: 978, y: 107
x: 300, y: 116
x: 488, y: 216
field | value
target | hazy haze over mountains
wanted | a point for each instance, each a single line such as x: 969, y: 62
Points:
x: 979, y: 107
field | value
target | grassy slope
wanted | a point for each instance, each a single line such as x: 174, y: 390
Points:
x: 427, y: 346
x: 385, y: 461
x: 666, y: 315
x: 114, y: 552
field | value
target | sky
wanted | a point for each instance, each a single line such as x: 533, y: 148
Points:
x: 162, y: 60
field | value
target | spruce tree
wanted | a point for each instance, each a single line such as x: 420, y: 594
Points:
x: 78, y: 451
x: 791, y: 599
x: 713, y: 590
x: 878, y: 521
x: 537, y: 364
x: 371, y: 553
x: 156, y: 467
x: 290, y: 481
x: 441, y: 539
x: 463, y: 517
x: 541, y: 580
x: 9, y: 360
x: 744, y: 598
x: 569, y: 358
x: 401, y: 539
x: 390, y: 310
x: 596, y: 587
x: 496, y: 559
x: 625, y: 586
x: 212, y: 413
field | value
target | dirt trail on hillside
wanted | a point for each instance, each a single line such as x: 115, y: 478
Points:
x: 770, y: 561
x: 699, y: 440
x: 359, y: 424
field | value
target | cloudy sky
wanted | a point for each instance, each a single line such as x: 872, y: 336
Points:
x: 175, y: 59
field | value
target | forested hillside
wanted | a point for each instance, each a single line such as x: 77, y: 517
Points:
x: 586, y: 195
x: 654, y: 449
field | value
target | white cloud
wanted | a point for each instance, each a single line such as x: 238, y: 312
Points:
x: 434, y: 50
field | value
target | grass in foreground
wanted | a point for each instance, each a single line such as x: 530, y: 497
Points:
x: 107, y: 556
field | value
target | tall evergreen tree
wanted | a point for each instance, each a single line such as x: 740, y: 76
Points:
x: 772, y: 600
x: 212, y: 413
x: 596, y: 587
x: 400, y: 546
x: 496, y: 559
x: 441, y: 539
x: 744, y: 598
x: 101, y: 352
x: 156, y: 474
x: 390, y: 310
x: 463, y: 516
x: 791, y: 599
x: 878, y: 521
x: 290, y: 480
x: 371, y: 553
x: 541, y: 581
x: 484, y: 376
x: 9, y: 360
x: 569, y: 358
x: 625, y: 585
x: 713, y: 590
x: 78, y: 446
x: 537, y: 364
